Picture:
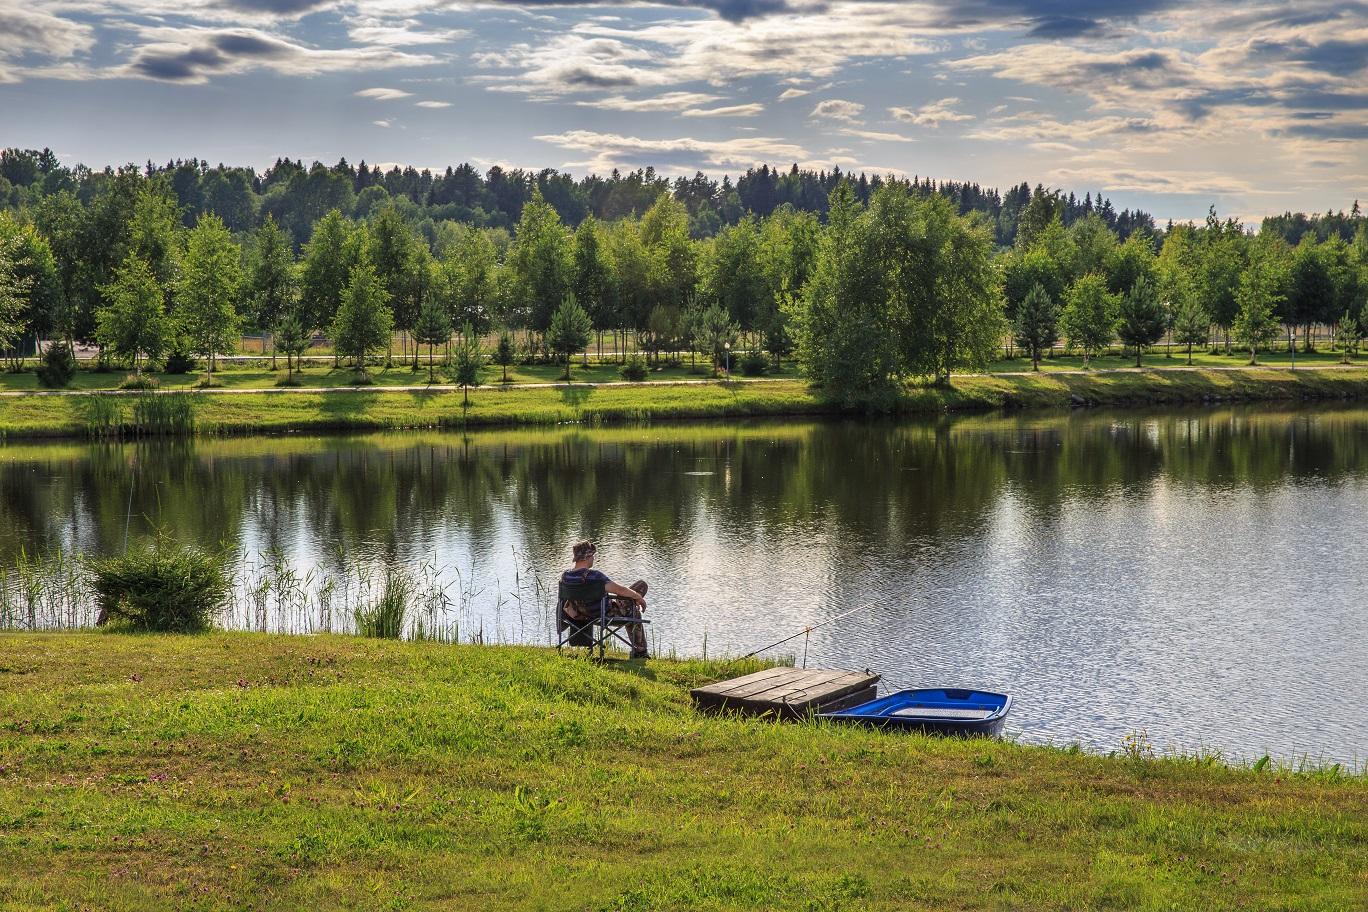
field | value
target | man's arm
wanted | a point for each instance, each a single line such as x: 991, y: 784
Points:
x: 624, y: 592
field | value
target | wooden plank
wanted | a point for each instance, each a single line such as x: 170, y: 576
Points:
x: 816, y: 691
x: 743, y: 689
x: 719, y: 688
x: 788, y: 692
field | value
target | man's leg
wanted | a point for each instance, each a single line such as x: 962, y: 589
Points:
x: 638, y: 631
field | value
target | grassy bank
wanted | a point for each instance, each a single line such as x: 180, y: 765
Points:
x: 239, y: 771
x: 378, y: 409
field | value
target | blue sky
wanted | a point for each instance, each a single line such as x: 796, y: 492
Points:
x: 1256, y: 107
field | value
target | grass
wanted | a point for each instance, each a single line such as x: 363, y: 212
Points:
x: 237, y: 771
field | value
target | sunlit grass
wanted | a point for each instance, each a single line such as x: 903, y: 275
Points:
x: 236, y: 771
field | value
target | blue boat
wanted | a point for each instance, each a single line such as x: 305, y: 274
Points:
x: 938, y: 710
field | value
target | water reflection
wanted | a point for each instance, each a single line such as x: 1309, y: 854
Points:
x: 1192, y: 573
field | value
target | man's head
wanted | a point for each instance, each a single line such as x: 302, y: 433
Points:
x: 584, y: 552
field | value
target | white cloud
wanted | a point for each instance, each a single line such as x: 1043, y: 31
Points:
x: 670, y: 101
x: 381, y: 123
x: 25, y: 30
x: 837, y: 109
x: 740, y: 110
x: 432, y: 104
x: 401, y: 33
x: 931, y: 115
x: 610, y: 150
x: 790, y: 94
x: 876, y: 136
x: 381, y: 94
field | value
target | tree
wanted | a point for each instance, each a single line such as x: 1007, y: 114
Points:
x: 732, y: 274
x: 433, y: 329
x: 208, y: 289
x: 364, y: 322
x: 593, y: 277
x: 1347, y: 336
x: 1221, y: 260
x: 539, y: 264
x: 1191, y: 324
x: 1036, y: 326
x: 293, y: 339
x: 393, y: 250
x: 505, y: 352
x: 467, y: 362
x: 133, y: 323
x: 1089, y: 317
x: 569, y: 330
x: 325, y: 269
x: 716, y: 332
x: 14, y: 289
x: 1256, y: 324
x: 271, y: 287
x: 467, y: 280
x: 1141, y: 318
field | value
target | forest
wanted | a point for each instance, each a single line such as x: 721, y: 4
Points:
x: 866, y: 281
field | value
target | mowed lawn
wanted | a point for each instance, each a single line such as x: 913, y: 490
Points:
x: 242, y: 771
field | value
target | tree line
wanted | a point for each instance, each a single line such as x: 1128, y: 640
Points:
x: 886, y: 282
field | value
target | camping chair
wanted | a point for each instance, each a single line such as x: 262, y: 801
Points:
x: 596, y: 630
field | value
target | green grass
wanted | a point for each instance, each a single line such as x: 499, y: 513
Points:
x: 241, y: 771
x: 378, y: 409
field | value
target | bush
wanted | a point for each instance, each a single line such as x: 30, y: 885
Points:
x: 138, y: 383
x: 58, y: 367
x: 163, y: 414
x: 754, y: 364
x: 166, y: 588
x: 179, y: 362
x: 634, y: 369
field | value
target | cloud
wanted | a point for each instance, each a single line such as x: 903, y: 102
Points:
x: 670, y: 101
x: 931, y: 115
x: 381, y: 123
x: 401, y: 33
x: 193, y: 55
x: 876, y: 136
x: 380, y: 94
x: 837, y: 109
x: 610, y: 150
x: 790, y: 94
x: 740, y: 110
x: 432, y: 104
x: 24, y: 30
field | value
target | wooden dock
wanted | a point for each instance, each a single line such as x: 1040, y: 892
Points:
x: 788, y: 692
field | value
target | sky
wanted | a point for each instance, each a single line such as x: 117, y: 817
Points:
x: 1256, y: 108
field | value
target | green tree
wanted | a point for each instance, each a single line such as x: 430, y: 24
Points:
x: 133, y: 324
x: 364, y: 322
x: 393, y: 251
x: 716, y: 332
x: 467, y: 280
x: 569, y: 330
x: 467, y: 362
x: 1220, y: 263
x: 1191, y: 324
x: 154, y: 233
x: 1256, y: 324
x: 210, y: 279
x: 1347, y: 336
x: 665, y: 235
x: 505, y: 352
x: 34, y: 278
x: 732, y: 274
x: 293, y: 339
x: 1036, y: 325
x: 433, y: 329
x: 271, y: 288
x: 1089, y: 316
x: 325, y: 270
x: 14, y: 290
x: 593, y: 277
x: 539, y: 265
x: 1141, y: 318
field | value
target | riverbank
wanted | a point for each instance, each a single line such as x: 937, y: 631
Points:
x: 236, y: 411
x: 235, y: 771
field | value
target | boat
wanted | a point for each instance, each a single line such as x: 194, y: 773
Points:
x: 937, y: 710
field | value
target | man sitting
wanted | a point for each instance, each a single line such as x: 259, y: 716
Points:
x: 624, y: 602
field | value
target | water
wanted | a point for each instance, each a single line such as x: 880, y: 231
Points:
x: 1195, y: 574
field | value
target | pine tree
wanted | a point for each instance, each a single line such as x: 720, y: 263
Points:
x: 1037, y: 323
x: 505, y: 352
x: 569, y: 330
x: 1089, y: 318
x: 433, y: 328
x: 293, y: 339
x: 716, y: 332
x: 1347, y: 336
x: 1191, y: 324
x: 1142, y: 320
x: 467, y: 362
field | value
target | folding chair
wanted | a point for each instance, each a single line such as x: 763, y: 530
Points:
x: 596, y: 630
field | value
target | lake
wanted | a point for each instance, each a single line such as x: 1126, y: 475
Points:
x: 1196, y: 575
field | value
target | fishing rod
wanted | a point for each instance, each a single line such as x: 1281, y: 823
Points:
x: 807, y: 630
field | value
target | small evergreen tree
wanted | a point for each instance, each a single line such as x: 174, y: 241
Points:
x: 1142, y: 319
x: 133, y: 324
x: 432, y: 329
x: 1256, y: 323
x: 1347, y: 336
x: 364, y: 322
x: 1037, y: 323
x: 467, y: 362
x: 58, y: 366
x: 293, y: 340
x: 505, y: 352
x: 1191, y: 325
x: 1089, y: 318
x: 569, y: 330
x: 715, y: 332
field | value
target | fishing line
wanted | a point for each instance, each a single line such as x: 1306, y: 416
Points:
x: 807, y: 630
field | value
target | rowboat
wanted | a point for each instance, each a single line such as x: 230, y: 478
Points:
x: 937, y: 710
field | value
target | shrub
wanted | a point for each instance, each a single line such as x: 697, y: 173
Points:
x: 165, y: 588
x: 384, y: 618
x: 634, y: 369
x: 163, y: 414
x: 58, y: 366
x: 179, y: 362
x: 132, y: 382
x: 754, y: 364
